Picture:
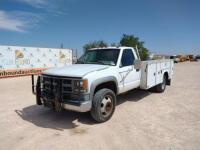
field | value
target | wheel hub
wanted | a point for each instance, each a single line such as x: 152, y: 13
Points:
x: 106, y: 106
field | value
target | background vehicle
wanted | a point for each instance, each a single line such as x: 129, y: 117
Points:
x: 197, y: 57
x: 99, y: 75
x: 182, y: 58
x: 190, y: 57
x: 175, y: 58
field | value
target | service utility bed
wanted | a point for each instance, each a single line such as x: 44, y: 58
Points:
x: 152, y: 72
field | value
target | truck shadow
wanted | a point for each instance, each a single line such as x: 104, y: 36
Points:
x: 47, y: 118
x: 133, y: 96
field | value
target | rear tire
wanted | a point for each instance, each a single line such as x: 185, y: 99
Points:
x: 161, y: 87
x: 103, y: 105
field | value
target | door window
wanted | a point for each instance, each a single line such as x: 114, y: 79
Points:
x: 127, y: 58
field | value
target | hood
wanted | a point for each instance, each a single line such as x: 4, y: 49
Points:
x: 75, y: 70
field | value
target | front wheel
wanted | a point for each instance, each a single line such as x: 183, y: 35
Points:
x: 103, y: 105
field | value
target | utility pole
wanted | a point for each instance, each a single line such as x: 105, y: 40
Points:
x: 76, y: 55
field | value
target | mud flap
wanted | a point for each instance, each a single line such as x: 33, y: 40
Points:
x: 168, y: 82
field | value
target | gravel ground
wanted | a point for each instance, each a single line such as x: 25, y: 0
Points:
x: 142, y: 120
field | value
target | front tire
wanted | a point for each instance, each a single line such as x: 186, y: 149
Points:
x: 103, y: 105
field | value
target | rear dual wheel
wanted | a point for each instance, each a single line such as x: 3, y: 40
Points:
x: 161, y: 87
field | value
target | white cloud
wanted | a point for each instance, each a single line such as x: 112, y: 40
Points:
x: 17, y: 20
x: 54, y: 7
x: 7, y: 22
x: 21, y: 21
x: 35, y: 3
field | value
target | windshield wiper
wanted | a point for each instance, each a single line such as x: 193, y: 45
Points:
x: 109, y: 64
x: 101, y: 62
x: 80, y: 62
x: 98, y: 62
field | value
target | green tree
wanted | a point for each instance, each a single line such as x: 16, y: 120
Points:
x: 95, y: 44
x: 132, y: 41
x: 115, y: 44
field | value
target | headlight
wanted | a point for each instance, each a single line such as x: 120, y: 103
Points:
x: 80, y: 85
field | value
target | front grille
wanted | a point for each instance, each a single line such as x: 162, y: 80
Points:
x: 61, y: 88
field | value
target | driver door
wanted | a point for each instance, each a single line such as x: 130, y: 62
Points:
x: 129, y: 78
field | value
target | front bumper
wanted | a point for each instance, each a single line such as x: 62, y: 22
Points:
x: 74, y: 105
x: 83, y: 107
x: 52, y: 93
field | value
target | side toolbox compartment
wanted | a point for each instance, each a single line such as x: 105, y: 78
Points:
x: 152, y: 73
x: 148, y: 74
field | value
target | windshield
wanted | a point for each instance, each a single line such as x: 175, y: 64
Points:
x: 100, y: 56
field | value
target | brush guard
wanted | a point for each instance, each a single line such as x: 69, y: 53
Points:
x: 36, y: 89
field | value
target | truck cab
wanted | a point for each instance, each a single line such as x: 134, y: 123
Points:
x: 94, y: 81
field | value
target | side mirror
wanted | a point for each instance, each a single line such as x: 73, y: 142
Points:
x: 137, y: 64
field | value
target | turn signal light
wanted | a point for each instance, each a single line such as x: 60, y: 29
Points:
x: 84, y: 85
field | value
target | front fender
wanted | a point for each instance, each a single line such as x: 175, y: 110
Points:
x: 99, y: 81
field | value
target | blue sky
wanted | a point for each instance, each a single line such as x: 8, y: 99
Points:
x: 166, y: 26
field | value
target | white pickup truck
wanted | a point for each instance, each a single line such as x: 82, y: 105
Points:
x: 98, y: 76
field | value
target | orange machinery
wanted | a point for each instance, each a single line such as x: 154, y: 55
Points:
x: 191, y: 57
x: 182, y: 58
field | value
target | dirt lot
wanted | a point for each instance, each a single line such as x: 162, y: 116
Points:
x: 142, y: 120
